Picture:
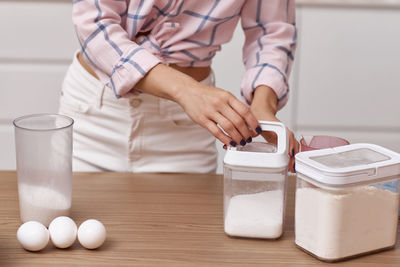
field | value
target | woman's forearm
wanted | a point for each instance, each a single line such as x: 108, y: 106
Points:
x: 265, y: 99
x: 209, y: 106
x: 166, y: 82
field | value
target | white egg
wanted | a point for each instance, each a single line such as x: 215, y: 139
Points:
x: 33, y: 236
x: 91, y: 234
x: 62, y: 232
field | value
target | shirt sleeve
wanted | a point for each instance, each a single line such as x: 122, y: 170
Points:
x: 118, y: 61
x: 270, y: 40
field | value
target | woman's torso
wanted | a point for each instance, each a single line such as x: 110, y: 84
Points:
x: 182, y: 34
x: 185, y: 33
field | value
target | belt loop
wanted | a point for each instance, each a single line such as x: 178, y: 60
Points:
x: 212, y: 74
x: 99, y: 97
x: 159, y: 105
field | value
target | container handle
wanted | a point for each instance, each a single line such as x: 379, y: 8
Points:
x: 281, y: 132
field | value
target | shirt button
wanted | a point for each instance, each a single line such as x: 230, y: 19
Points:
x: 135, y: 102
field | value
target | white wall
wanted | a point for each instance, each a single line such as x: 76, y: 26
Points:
x: 348, y: 83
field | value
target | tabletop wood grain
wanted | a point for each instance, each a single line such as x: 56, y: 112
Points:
x: 158, y: 220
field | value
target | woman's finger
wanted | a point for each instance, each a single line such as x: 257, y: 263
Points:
x: 270, y: 137
x: 293, y: 150
x: 229, y: 128
x: 246, y: 114
x: 239, y: 123
x: 218, y: 133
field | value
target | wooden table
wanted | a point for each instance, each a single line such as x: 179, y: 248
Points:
x: 158, y: 220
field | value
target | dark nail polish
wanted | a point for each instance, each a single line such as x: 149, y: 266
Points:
x: 233, y: 143
x: 258, y: 129
x: 249, y: 140
x: 242, y: 142
x: 224, y: 147
x: 293, y: 152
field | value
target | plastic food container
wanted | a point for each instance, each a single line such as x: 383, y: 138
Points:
x: 43, y: 145
x: 315, y: 142
x: 254, y: 186
x: 344, y: 207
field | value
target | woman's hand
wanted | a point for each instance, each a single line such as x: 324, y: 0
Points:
x: 214, y: 108
x: 264, y: 107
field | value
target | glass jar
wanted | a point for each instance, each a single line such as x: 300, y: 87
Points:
x: 254, y: 187
x: 344, y: 207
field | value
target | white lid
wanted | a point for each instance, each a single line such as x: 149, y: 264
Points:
x: 356, y: 163
x: 261, y: 155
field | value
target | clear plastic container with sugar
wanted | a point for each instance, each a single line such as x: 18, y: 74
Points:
x: 254, y: 187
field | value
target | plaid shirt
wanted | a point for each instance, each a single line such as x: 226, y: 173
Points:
x: 122, y: 40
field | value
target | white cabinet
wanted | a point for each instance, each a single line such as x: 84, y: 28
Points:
x: 36, y: 31
x: 37, y: 44
x: 30, y: 88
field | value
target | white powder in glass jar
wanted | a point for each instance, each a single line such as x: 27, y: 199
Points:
x: 41, y: 204
x: 336, y: 225
x: 257, y: 215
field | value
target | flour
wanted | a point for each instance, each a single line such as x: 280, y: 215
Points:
x: 337, y: 225
x: 41, y: 204
x: 257, y: 215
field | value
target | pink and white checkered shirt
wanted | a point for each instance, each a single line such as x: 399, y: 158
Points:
x: 122, y: 40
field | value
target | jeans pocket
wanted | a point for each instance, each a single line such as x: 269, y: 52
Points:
x: 73, y: 100
x: 70, y: 105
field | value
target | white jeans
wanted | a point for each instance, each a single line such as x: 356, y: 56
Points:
x: 136, y: 133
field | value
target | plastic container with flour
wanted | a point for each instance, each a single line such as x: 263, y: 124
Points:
x: 344, y: 207
x: 254, y: 186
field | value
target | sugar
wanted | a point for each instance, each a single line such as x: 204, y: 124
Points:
x: 257, y: 215
x: 41, y: 204
x: 337, y: 225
